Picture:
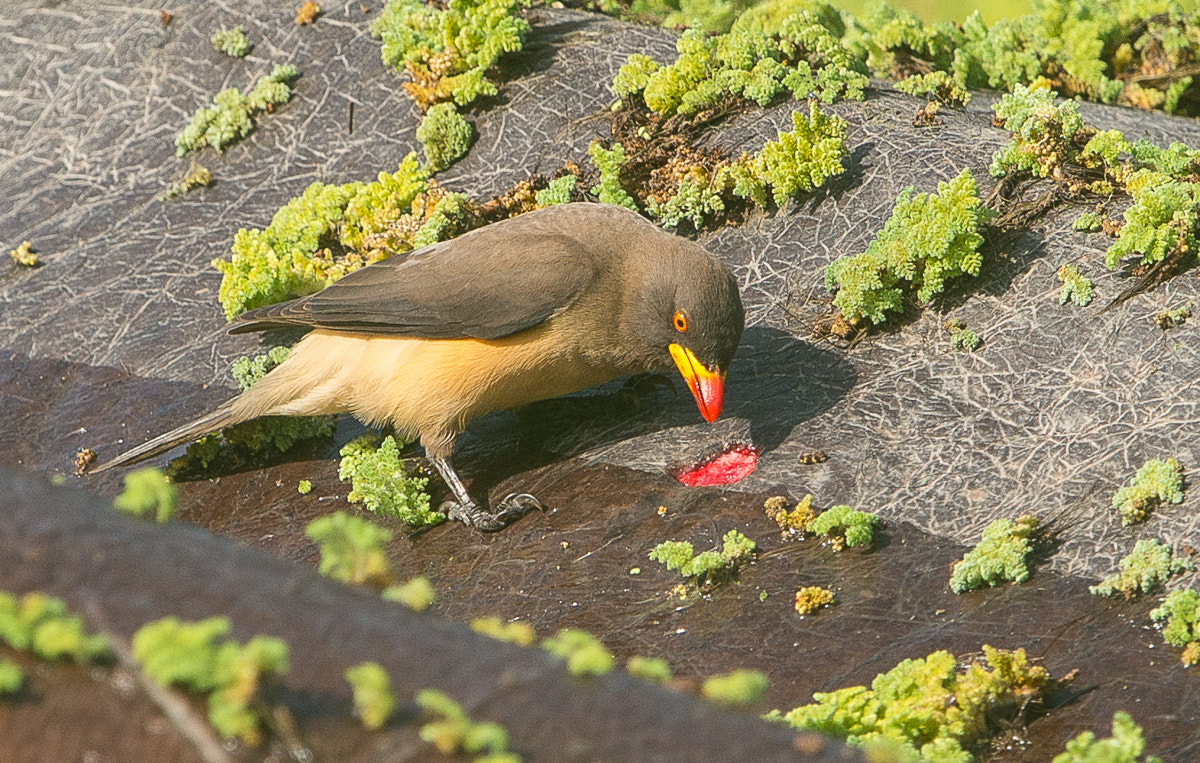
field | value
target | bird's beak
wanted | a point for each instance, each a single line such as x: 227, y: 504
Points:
x: 708, y: 387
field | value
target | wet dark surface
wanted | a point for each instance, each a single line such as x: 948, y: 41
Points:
x: 118, y: 337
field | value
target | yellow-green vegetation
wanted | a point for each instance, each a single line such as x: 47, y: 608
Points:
x: 453, y: 731
x: 1148, y: 566
x: 244, y: 440
x: 1181, y: 610
x: 1089, y: 221
x: 516, y: 632
x: 938, y: 86
x: 231, y: 117
x: 1168, y: 319
x: 195, y: 655
x: 843, y: 526
x: 198, y: 176
x: 24, y: 255
x: 231, y: 42
x: 961, y: 337
x: 583, y: 652
x: 928, y: 240
x: 737, y: 689
x: 41, y: 624
x: 1156, y: 482
x: 610, y: 161
x: 448, y: 50
x: 1076, y: 287
x: 374, y: 700
x: 11, y: 677
x: 709, y: 566
x: 926, y: 709
x: 654, y: 669
x: 1124, y: 746
x: 792, y: 523
x: 445, y: 136
x: 148, y: 492
x: 1047, y: 135
x: 417, y: 594
x: 811, y: 598
x: 380, y: 482
x: 557, y: 191
x: 352, y: 549
x: 999, y: 557
x: 304, y: 487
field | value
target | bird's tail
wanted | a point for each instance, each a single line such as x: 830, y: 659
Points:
x: 211, y: 422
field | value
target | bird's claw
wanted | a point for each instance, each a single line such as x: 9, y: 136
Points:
x: 513, y: 507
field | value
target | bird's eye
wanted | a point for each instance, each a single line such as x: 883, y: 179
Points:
x: 680, y: 321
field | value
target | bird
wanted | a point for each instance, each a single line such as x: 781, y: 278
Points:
x: 533, y: 307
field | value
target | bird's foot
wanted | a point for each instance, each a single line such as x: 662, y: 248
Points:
x: 513, y: 507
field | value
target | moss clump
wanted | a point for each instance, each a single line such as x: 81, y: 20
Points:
x: 926, y: 709
x: 737, y: 689
x: 610, y: 162
x: 792, y: 523
x: 1168, y: 319
x: 516, y: 632
x: 195, y: 655
x: 352, y: 549
x: 1047, y: 134
x: 198, y: 177
x: 304, y: 487
x: 417, y: 594
x: 24, y: 255
x: 307, y: 13
x: 11, y: 678
x: 1124, y: 746
x: 929, y: 239
x: 999, y: 557
x: 939, y: 86
x: 1149, y: 565
x: 148, y: 491
x: 1181, y: 610
x: 445, y: 136
x: 231, y: 42
x: 41, y: 624
x: 374, y: 700
x: 705, y: 568
x: 231, y: 117
x: 1161, y: 221
x: 557, y: 191
x: 812, y: 598
x: 584, y: 654
x: 382, y: 485
x: 1156, y: 482
x: 961, y: 337
x: 843, y: 526
x: 453, y: 731
x: 1076, y: 287
x: 653, y: 669
x: 449, y: 50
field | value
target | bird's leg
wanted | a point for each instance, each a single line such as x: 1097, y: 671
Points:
x: 465, y: 510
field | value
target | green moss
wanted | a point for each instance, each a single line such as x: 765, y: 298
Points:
x: 304, y: 487
x: 939, y: 86
x: 928, y: 240
x: 583, y: 652
x: 11, y: 678
x: 445, y: 136
x: 1124, y: 746
x: 352, y: 549
x: 453, y: 731
x: 961, y: 337
x: 1157, y: 481
x: 653, y: 669
x: 1161, y: 221
x: 382, y: 485
x: 449, y: 50
x: 374, y: 700
x: 999, y: 557
x: 1168, y: 319
x: 417, y: 594
x: 24, y: 255
x: 197, y: 177
x: 558, y: 191
x: 707, y: 567
x: 516, y: 632
x: 1044, y: 132
x: 1076, y: 287
x: 926, y: 709
x: 231, y: 42
x: 737, y: 689
x: 1149, y: 565
x: 843, y: 526
x: 1181, y: 610
x: 610, y: 162
x: 148, y: 492
x: 231, y: 117
x: 41, y: 624
x: 195, y: 655
x: 803, y: 159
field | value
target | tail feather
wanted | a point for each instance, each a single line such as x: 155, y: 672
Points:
x: 211, y: 422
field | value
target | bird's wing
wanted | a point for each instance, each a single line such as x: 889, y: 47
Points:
x: 485, y: 284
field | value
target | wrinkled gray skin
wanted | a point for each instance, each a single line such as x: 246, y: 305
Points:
x: 1056, y: 411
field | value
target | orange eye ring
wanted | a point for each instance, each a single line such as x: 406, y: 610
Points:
x: 680, y: 321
